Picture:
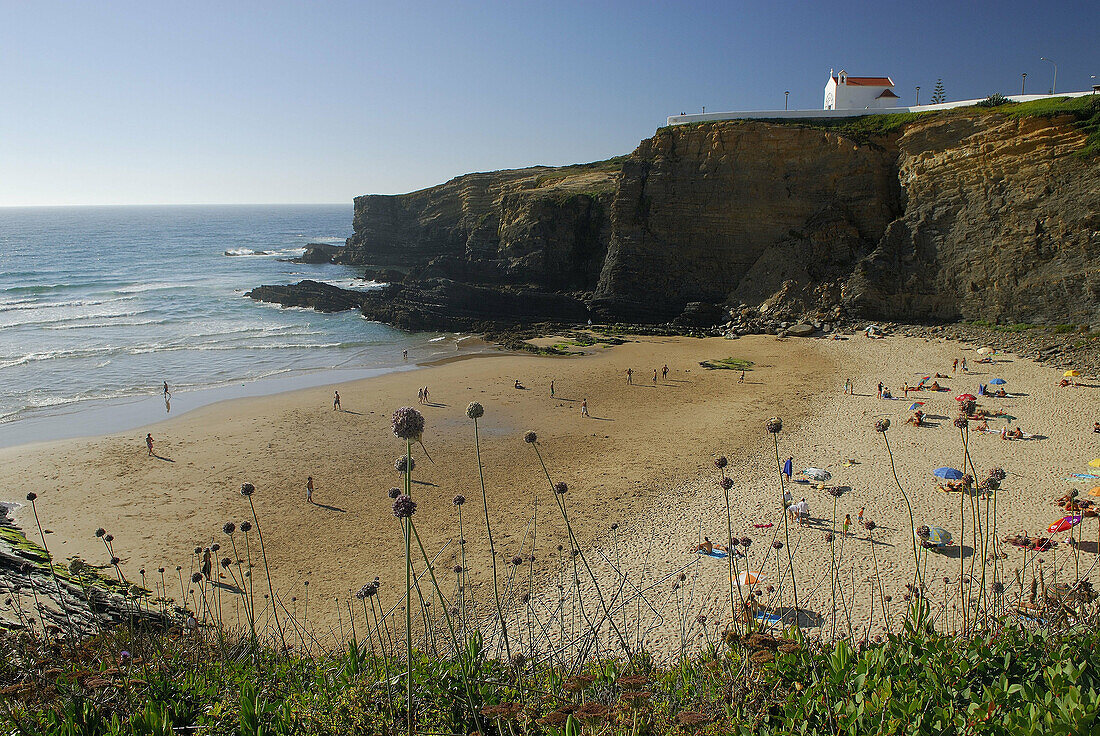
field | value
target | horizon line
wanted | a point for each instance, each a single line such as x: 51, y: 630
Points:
x: 178, y: 204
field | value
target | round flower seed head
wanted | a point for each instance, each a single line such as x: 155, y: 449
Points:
x: 906, y: 597
x: 404, y: 507
x: 923, y: 532
x: 828, y: 536
x: 31, y: 496
x: 196, y: 577
x: 198, y: 550
x: 100, y: 532
x: 115, y: 561
x: 1074, y: 493
x: 560, y: 488
x: 458, y: 569
x: 614, y: 526
x: 246, y: 526
x: 881, y: 425
x: 366, y: 591
x: 962, y: 422
x: 774, y: 425
x: 746, y: 542
x: 869, y: 525
x: 474, y: 410
x: 76, y: 566
x: 998, y: 473
x: 408, y: 423
x: 247, y: 489
x: 226, y: 562
x: 726, y: 482
x: 560, y: 547
x: 683, y: 576
x: 160, y: 570
x: 701, y: 619
x: 109, y: 538
x: 394, y: 492
x: 459, y: 500
x: 721, y: 462
x: 215, y: 547
x: 404, y: 463
x: 229, y: 527
x: 888, y: 598
x: 525, y: 597
x: 771, y: 589
x: 517, y: 560
x: 530, y: 437
x: 777, y: 544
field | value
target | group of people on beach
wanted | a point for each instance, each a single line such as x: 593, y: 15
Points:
x: 664, y: 374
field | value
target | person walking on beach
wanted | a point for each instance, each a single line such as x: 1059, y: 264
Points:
x: 420, y: 396
x: 848, y: 386
x: 207, y: 564
x: 336, y: 401
x: 426, y: 399
x: 664, y: 372
x: 955, y: 366
x: 584, y: 407
x: 788, y: 468
x: 654, y: 376
x: 742, y: 378
x: 847, y: 523
x: 880, y: 389
x: 630, y: 375
x: 964, y: 366
x: 551, y: 389
x: 149, y: 442
x: 859, y: 516
x: 309, y: 489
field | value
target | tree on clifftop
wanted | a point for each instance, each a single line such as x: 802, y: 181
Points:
x: 938, y: 94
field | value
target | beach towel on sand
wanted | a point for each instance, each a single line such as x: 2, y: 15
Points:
x: 770, y: 618
x: 717, y: 554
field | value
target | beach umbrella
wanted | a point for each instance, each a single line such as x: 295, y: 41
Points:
x: 1094, y: 463
x: 948, y: 473
x: 998, y: 381
x: 817, y: 474
x: 750, y: 577
x: 985, y: 351
x: 1064, y: 524
x: 916, y: 405
x: 1071, y: 374
x: 939, y: 536
x: 966, y: 397
x: 1095, y: 491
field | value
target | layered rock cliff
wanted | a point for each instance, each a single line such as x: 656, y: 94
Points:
x: 968, y: 214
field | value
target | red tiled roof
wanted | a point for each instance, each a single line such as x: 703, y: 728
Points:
x: 887, y: 93
x: 868, y: 81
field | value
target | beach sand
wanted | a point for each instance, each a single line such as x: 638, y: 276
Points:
x: 642, y: 484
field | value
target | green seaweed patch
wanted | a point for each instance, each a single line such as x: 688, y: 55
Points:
x: 22, y: 546
x: 727, y: 364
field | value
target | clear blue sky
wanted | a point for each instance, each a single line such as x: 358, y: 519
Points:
x: 197, y: 102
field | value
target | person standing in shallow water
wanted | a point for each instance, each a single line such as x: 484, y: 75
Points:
x: 336, y: 401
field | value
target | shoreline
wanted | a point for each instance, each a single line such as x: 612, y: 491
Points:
x: 92, y: 418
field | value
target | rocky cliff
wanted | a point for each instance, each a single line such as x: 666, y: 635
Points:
x: 971, y: 214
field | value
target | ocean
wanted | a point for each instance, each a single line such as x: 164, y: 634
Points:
x: 100, y: 305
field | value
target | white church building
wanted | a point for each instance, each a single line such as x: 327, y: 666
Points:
x: 843, y: 92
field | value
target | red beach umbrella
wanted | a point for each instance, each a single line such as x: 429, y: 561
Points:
x: 966, y: 397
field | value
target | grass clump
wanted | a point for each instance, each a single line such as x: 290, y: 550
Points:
x: 728, y: 364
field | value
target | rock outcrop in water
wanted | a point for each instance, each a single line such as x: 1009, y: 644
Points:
x: 969, y: 214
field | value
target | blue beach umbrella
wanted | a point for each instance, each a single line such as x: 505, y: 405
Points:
x: 916, y: 405
x: 947, y: 473
x: 998, y: 382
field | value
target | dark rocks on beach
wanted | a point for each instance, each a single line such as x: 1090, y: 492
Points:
x: 319, y: 253
x: 801, y: 330
x: 313, y: 294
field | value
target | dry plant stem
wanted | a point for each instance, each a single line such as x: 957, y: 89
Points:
x: 267, y: 570
x: 977, y: 532
x: 492, y: 547
x: 408, y: 594
x: 584, y: 559
x: 909, y: 508
x: 729, y: 558
x: 53, y: 573
x: 786, y: 532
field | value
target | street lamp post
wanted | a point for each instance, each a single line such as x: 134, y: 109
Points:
x: 918, y: 96
x: 1023, y: 81
x: 785, y: 96
x: 1053, y: 87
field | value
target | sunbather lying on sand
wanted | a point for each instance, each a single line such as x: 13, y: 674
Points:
x: 708, y: 547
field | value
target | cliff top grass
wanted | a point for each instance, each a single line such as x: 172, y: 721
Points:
x: 1085, y: 111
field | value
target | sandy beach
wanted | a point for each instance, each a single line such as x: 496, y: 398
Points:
x: 642, y: 484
